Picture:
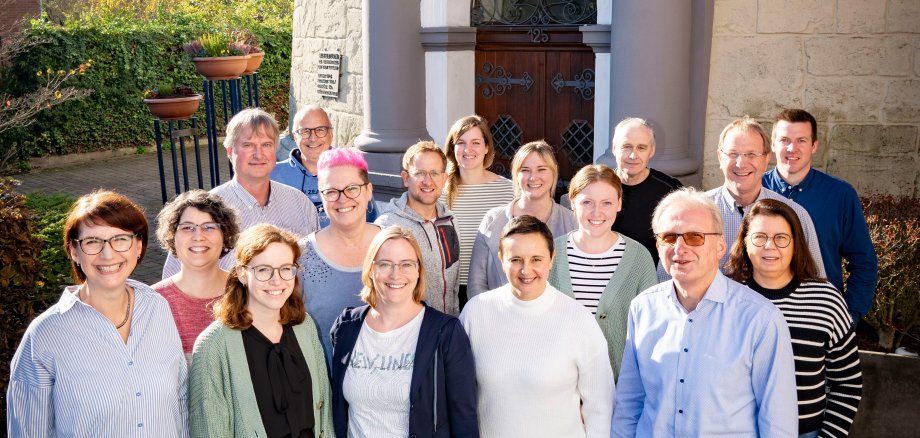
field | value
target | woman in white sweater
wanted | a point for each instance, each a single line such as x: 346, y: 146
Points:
x: 541, y: 360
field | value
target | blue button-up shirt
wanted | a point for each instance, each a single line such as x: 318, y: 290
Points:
x: 726, y: 368
x: 73, y: 375
x: 841, y: 226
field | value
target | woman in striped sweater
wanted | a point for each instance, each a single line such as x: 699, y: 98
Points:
x: 471, y: 189
x: 767, y: 257
x: 601, y: 269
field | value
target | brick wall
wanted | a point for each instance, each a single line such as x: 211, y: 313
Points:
x: 854, y: 64
x: 13, y: 11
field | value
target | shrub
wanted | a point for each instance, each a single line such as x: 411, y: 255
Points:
x: 34, y: 266
x: 129, y: 56
x: 894, y: 225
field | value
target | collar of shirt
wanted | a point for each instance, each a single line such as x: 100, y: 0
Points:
x: 717, y: 292
x: 246, y: 198
x: 71, y: 296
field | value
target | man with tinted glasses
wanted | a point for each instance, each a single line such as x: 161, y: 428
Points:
x: 833, y: 204
x: 715, y: 357
x: 251, y: 140
x: 313, y: 134
x: 419, y: 210
x: 744, y: 153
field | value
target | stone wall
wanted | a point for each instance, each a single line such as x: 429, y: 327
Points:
x: 330, y: 25
x: 854, y: 64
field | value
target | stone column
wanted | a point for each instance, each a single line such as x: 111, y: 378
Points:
x: 651, y: 75
x: 597, y: 36
x: 394, y: 91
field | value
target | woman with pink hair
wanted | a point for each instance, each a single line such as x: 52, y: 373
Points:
x: 332, y: 257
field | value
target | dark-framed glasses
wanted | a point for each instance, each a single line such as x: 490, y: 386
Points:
x: 94, y: 245
x: 691, y: 238
x: 266, y: 272
x: 319, y: 131
x: 351, y: 192
x: 780, y: 240
x: 747, y: 155
x: 189, y: 227
x: 405, y: 267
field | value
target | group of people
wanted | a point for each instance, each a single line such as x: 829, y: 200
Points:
x: 293, y: 305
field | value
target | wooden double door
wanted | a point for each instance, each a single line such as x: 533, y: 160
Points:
x: 537, y: 83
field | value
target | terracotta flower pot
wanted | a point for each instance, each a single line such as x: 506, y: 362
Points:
x: 255, y: 60
x: 174, y: 108
x: 221, y: 67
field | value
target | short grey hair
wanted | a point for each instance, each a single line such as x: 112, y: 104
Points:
x: 302, y: 112
x: 688, y: 197
x: 253, y: 119
x: 631, y: 122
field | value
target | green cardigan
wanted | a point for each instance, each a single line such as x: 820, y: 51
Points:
x: 220, y: 397
x: 635, y: 273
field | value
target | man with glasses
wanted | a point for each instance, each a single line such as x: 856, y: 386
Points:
x: 419, y: 210
x: 715, y: 356
x: 833, y: 204
x: 251, y: 140
x: 313, y: 134
x: 744, y: 154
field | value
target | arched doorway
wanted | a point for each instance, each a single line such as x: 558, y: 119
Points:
x: 535, y: 77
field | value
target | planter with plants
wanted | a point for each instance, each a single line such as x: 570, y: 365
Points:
x: 170, y: 102
x: 249, y: 44
x: 217, y: 56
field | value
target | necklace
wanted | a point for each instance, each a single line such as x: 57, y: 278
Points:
x: 127, y: 310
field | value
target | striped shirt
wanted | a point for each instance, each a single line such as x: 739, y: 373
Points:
x: 590, y: 273
x: 72, y: 374
x: 827, y: 372
x: 473, y: 201
x: 287, y: 208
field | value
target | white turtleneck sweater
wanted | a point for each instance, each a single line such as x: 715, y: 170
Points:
x: 541, y: 366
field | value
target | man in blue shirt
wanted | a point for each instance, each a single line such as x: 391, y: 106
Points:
x: 715, y: 356
x: 313, y: 134
x: 833, y: 205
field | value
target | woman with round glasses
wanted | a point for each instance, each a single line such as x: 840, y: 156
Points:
x: 258, y: 369
x: 106, y: 359
x: 332, y: 256
x: 541, y: 361
x: 535, y: 173
x: 471, y: 189
x: 400, y: 367
x: 601, y: 269
x: 771, y: 257
x: 198, y: 229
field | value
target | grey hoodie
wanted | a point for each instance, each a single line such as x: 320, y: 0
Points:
x: 440, y: 247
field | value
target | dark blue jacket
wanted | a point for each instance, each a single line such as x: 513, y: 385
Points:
x: 442, y: 395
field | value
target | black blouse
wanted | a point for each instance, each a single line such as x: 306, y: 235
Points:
x: 282, y: 383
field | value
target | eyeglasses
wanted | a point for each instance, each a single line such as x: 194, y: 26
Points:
x: 265, y: 272
x: 692, y: 238
x: 747, y: 155
x: 319, y: 131
x: 780, y: 240
x: 405, y: 267
x: 94, y: 245
x: 421, y: 174
x: 207, y: 227
x: 351, y: 192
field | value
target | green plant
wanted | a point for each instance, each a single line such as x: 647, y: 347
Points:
x: 894, y: 225
x: 168, y: 91
x: 33, y: 265
x: 212, y: 45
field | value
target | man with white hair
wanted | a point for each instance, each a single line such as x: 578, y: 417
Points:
x: 314, y: 134
x: 715, y: 356
x: 633, y: 146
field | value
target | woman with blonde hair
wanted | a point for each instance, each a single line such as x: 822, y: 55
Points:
x: 601, y: 269
x: 106, y: 359
x: 535, y: 173
x: 471, y: 189
x: 400, y: 367
x: 259, y: 369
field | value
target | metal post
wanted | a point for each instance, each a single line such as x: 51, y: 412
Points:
x: 182, y: 155
x: 255, y: 81
x: 159, y: 142
x: 194, y: 123
x: 172, y: 152
x: 209, y: 118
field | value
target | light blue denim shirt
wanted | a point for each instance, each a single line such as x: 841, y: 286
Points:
x: 726, y: 368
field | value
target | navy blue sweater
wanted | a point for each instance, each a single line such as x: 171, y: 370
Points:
x: 442, y: 395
